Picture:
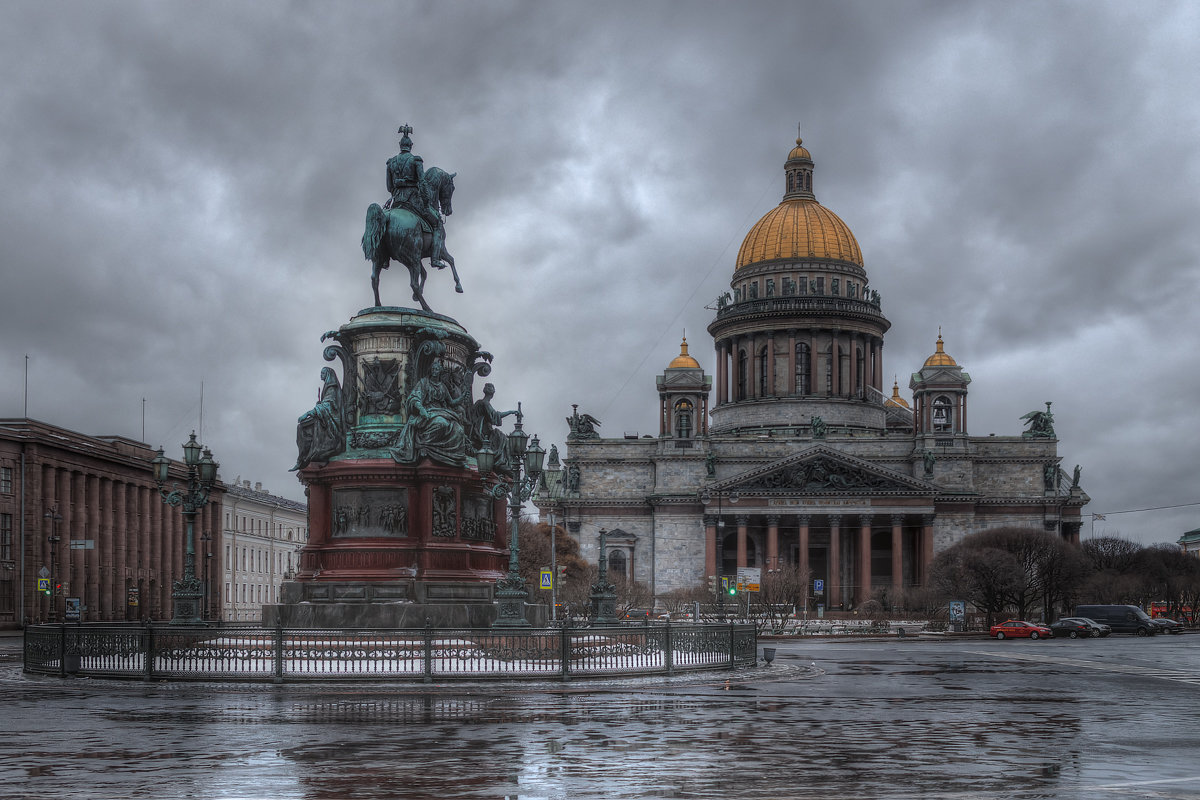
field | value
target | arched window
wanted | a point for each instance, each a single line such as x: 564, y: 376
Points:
x: 764, y: 388
x: 943, y: 414
x: 617, y: 564
x: 803, y: 369
x: 860, y: 374
x: 683, y: 419
x: 742, y: 364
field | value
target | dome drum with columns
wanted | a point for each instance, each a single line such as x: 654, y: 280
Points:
x: 791, y: 455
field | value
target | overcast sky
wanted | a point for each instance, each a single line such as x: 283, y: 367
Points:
x: 185, y: 184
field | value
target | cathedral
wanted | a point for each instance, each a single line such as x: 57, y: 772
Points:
x: 793, y: 454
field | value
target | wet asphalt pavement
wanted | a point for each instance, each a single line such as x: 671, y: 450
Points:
x: 961, y: 720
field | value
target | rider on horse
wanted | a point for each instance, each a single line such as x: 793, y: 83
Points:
x: 408, y: 189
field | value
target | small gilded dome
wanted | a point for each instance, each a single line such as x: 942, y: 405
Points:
x: 799, y: 151
x: 896, y: 399
x: 683, y: 360
x: 941, y: 358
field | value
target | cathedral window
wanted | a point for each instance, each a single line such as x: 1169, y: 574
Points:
x: 803, y: 369
x: 819, y: 286
x: 860, y: 374
x: 803, y: 284
x: 683, y: 419
x: 617, y: 564
x: 763, y: 377
x: 742, y: 364
x: 942, y: 414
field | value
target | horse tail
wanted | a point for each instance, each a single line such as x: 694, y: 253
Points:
x: 374, y: 232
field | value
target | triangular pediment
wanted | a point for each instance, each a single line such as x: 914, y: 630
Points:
x: 822, y: 470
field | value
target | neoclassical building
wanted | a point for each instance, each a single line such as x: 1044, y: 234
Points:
x: 262, y: 537
x: 792, y: 453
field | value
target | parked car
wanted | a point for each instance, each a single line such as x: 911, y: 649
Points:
x: 1020, y: 629
x: 1076, y: 627
x: 1167, y: 625
x: 1098, y: 628
x: 1123, y: 619
x: 1071, y: 628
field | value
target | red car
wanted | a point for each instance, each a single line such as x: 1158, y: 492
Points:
x: 1019, y: 629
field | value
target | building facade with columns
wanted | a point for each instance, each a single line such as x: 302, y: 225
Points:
x: 85, y: 512
x: 793, y: 454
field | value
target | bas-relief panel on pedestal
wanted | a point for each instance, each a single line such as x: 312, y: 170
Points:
x: 359, y: 513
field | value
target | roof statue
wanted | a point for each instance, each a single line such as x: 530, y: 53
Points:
x: 409, y: 227
x: 1041, y: 424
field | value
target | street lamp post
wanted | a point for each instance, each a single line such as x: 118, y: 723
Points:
x: 206, y: 554
x: 604, y: 594
x: 525, y: 464
x: 706, y: 497
x: 54, y: 518
x: 187, y: 592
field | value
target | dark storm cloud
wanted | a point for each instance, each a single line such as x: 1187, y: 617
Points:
x: 185, y: 187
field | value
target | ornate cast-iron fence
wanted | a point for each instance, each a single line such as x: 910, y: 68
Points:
x: 290, y: 655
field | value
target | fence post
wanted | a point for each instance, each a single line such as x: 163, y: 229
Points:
x: 564, y: 650
x: 669, y: 651
x: 148, y: 667
x: 428, y: 651
x: 732, y: 647
x: 279, y: 652
x: 62, y: 650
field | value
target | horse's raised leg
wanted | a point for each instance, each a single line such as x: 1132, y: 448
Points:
x: 449, y: 259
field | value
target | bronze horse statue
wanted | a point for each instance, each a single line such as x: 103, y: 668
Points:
x: 400, y: 234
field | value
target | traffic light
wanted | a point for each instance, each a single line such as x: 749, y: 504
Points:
x: 712, y: 584
x: 562, y: 575
x: 733, y: 588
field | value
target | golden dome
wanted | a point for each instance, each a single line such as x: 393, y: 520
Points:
x: 799, y: 228
x: 896, y: 399
x: 683, y: 359
x: 941, y: 358
x: 799, y: 151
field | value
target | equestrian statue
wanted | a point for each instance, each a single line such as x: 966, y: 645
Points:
x: 409, y: 227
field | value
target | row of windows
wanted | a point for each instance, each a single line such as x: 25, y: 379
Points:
x: 802, y: 286
x: 259, y: 560
x: 261, y: 526
x: 799, y: 181
x: 252, y: 593
x: 6, y: 480
x: 803, y: 377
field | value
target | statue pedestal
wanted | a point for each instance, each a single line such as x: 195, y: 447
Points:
x: 401, y: 528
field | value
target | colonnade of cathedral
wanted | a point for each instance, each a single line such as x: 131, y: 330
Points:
x: 852, y: 553
x: 747, y: 365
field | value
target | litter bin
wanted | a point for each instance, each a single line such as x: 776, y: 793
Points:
x: 768, y: 655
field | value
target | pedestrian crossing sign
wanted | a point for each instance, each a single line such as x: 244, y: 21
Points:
x: 547, y: 579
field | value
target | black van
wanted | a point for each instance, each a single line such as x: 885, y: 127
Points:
x: 1122, y: 619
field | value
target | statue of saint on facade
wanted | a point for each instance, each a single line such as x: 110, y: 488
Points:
x: 321, y: 432
x: 818, y: 428
x: 1041, y: 424
x: 409, y: 227
x: 435, y: 426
